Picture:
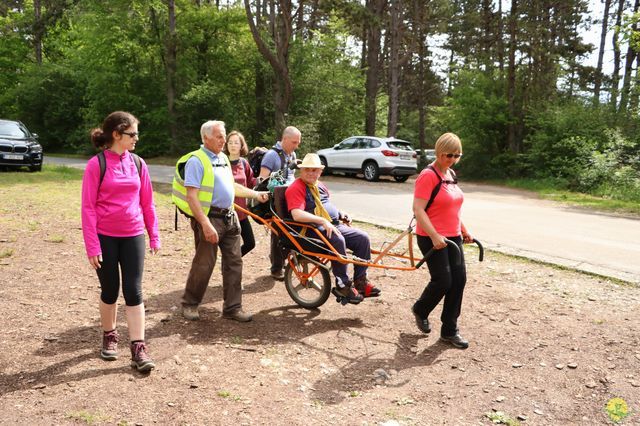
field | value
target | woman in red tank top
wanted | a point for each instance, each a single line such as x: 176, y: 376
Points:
x: 438, y: 218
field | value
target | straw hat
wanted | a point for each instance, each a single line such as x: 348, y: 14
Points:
x: 311, y: 161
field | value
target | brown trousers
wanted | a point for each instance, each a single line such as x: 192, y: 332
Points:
x: 204, y: 261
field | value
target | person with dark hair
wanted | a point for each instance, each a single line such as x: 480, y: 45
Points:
x: 236, y: 148
x: 280, y: 157
x: 436, y: 206
x: 117, y: 207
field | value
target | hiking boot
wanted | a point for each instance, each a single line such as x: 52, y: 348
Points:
x: 347, y: 294
x: 140, y: 359
x: 365, y: 288
x: 238, y: 315
x: 277, y: 275
x: 421, y: 322
x: 190, y: 312
x: 109, y: 350
x: 458, y: 341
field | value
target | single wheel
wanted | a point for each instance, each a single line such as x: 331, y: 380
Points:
x: 309, y: 285
x: 371, y: 171
x: 327, y: 170
x: 401, y: 178
x: 35, y: 168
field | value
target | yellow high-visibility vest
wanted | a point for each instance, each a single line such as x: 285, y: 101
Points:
x: 205, y: 192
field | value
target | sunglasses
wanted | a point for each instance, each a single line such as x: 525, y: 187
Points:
x: 131, y: 134
x: 456, y: 156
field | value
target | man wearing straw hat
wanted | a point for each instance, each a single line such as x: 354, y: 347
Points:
x: 308, y: 201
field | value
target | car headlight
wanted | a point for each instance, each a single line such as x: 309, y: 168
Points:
x: 36, y: 148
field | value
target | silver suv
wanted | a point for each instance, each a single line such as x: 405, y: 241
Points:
x: 372, y: 157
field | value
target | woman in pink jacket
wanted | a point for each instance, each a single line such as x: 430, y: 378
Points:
x: 117, y: 206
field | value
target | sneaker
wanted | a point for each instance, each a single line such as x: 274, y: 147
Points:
x: 365, y: 288
x: 421, y: 322
x: 277, y: 275
x: 238, y: 315
x: 190, y: 312
x: 109, y: 350
x: 347, y: 294
x: 458, y: 341
x: 140, y: 359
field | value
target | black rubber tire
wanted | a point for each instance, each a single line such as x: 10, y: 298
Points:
x: 327, y: 170
x: 371, y: 171
x: 312, y: 297
x: 401, y: 178
x: 37, y: 168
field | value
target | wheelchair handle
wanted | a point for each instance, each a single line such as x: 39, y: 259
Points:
x: 480, y: 250
x: 450, y: 244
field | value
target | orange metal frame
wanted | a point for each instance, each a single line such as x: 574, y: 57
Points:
x: 278, y: 225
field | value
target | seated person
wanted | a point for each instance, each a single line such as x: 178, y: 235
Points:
x: 308, y: 202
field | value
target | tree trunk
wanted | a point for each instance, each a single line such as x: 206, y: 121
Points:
x: 628, y: 65
x: 281, y: 29
x: 603, y: 39
x: 394, y: 68
x: 511, y: 79
x: 171, y: 69
x: 375, y: 9
x: 615, y: 76
x: 38, y: 30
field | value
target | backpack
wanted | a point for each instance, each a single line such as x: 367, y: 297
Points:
x: 256, y: 154
x: 102, y: 162
x: 436, y: 189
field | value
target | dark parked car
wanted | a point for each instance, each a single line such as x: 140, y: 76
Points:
x: 19, y: 147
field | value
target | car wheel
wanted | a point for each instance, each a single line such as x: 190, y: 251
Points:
x: 37, y: 168
x: 401, y: 178
x: 371, y: 171
x: 327, y: 170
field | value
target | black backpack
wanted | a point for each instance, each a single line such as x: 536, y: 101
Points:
x: 436, y: 189
x: 102, y: 162
x: 255, y: 159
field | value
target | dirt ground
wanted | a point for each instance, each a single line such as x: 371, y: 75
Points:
x: 547, y: 346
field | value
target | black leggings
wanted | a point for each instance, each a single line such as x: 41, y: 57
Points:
x: 248, y: 240
x: 447, y: 281
x: 128, y: 252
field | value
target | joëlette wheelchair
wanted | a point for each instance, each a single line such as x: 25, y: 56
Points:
x: 307, y: 274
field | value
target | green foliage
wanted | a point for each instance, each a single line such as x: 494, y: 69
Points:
x: 614, y: 172
x: 477, y: 113
x: 329, y: 90
x: 562, y: 137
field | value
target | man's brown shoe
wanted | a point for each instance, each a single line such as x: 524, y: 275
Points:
x: 191, y: 313
x: 238, y: 315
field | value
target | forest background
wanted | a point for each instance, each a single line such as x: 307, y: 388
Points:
x: 509, y: 76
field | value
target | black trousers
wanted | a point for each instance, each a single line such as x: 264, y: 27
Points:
x: 121, y: 255
x: 447, y: 282
x: 248, y: 240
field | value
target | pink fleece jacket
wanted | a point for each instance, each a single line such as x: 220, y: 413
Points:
x: 122, y: 206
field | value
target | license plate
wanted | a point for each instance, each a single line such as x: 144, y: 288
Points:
x: 405, y: 157
x: 13, y: 157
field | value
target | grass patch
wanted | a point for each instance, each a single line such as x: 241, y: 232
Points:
x: 552, y: 189
x: 6, y: 253
x: 55, y: 239
x: 49, y: 173
x: 87, y: 417
x: 499, y: 417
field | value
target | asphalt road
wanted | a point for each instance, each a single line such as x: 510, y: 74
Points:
x: 506, y: 220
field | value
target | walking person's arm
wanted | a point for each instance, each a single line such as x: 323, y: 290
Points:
x: 210, y: 233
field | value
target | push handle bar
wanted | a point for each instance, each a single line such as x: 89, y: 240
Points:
x: 450, y: 244
x: 457, y: 251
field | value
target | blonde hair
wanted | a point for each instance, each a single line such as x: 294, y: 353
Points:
x: 448, y: 143
x: 244, y: 148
